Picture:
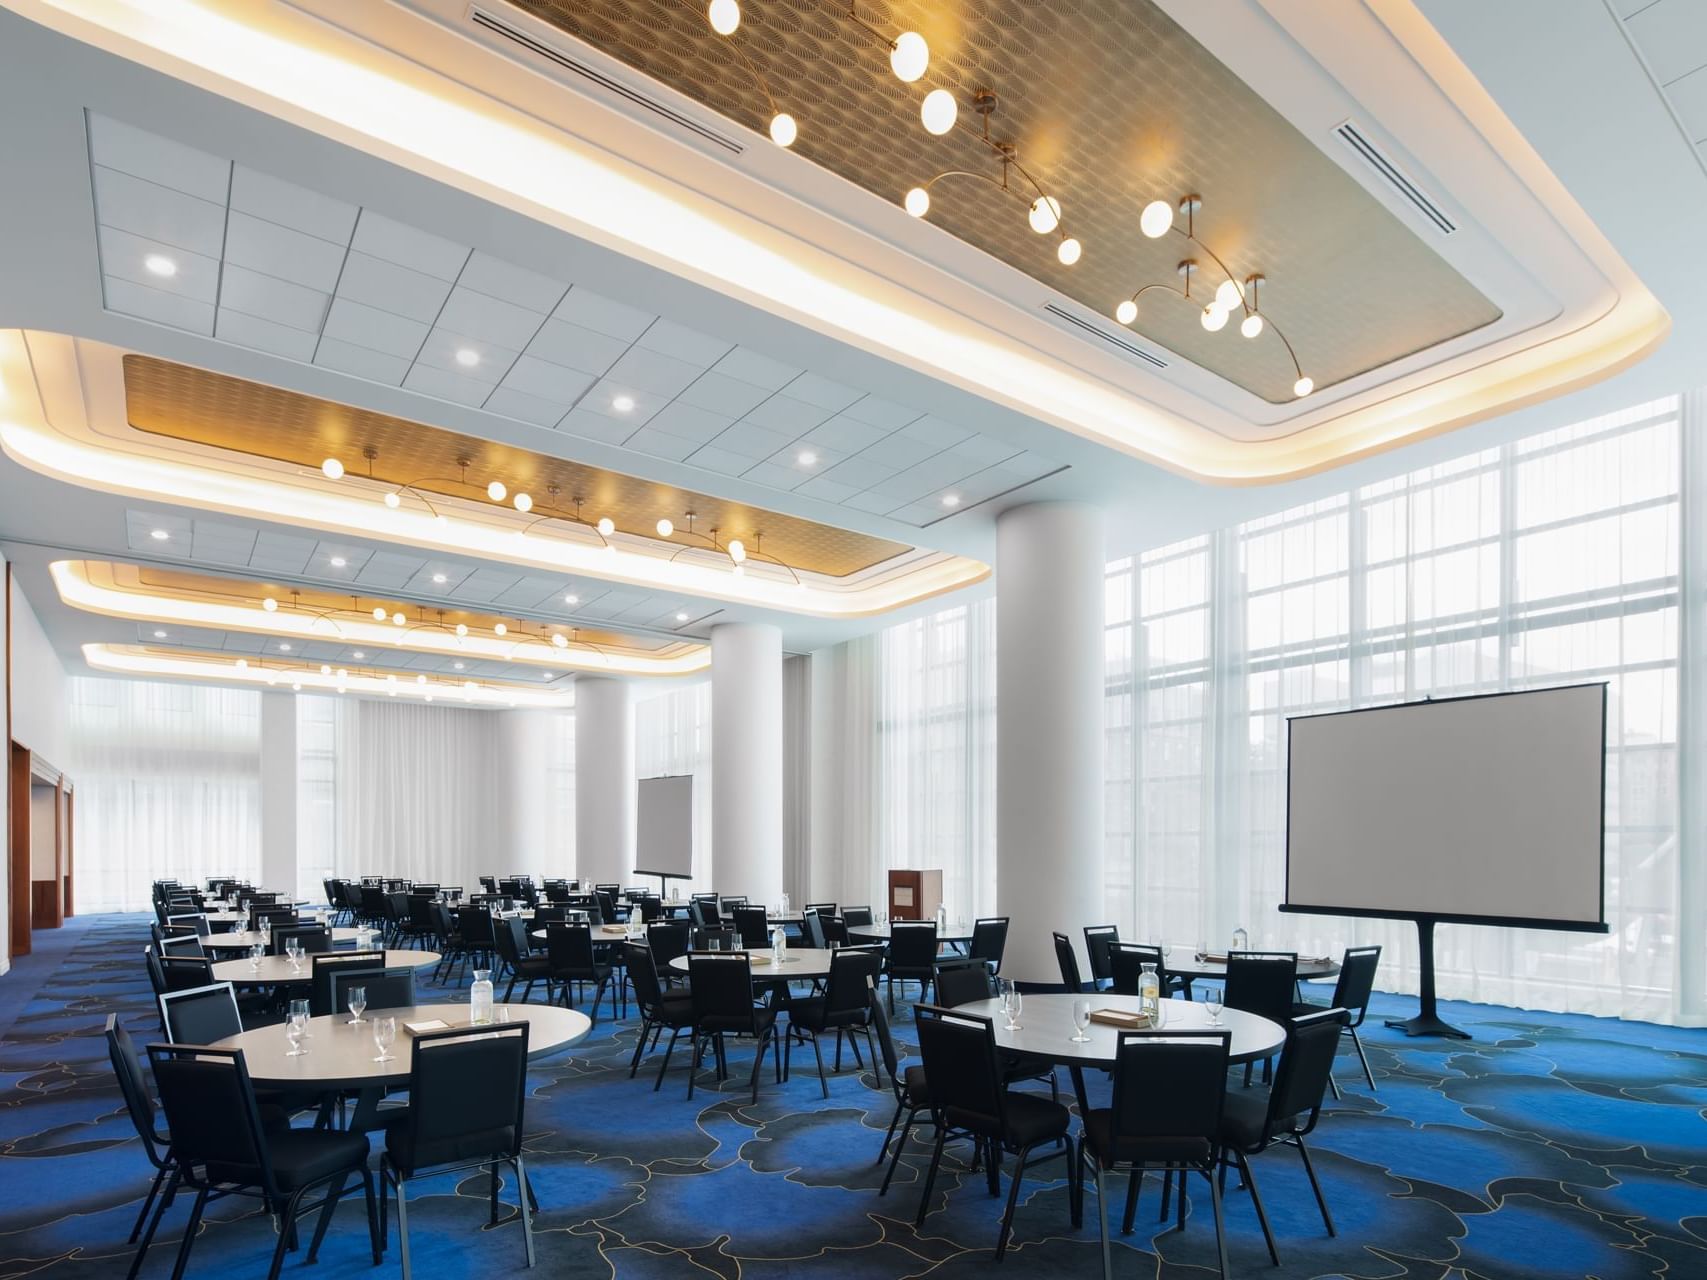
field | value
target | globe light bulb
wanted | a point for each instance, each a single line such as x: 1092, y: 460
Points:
x: 270, y: 605
x: 325, y: 669
x: 461, y: 629
x: 1214, y: 318
x: 737, y: 550
x: 910, y: 56
x: 499, y: 629
x: 1068, y: 251
x: 332, y: 469
x: 392, y: 501
x: 524, y: 503
x: 379, y: 613
x: 397, y: 619
x: 1045, y: 214
x: 724, y: 16
x: 296, y: 686
x: 560, y: 640
x: 918, y: 202
x: 665, y: 528
x: 783, y: 129
x: 496, y: 491
x: 1251, y: 325
x: 420, y: 679
x: 1126, y: 312
x: 607, y: 526
x: 242, y: 664
x: 1157, y: 219
x: 1303, y: 387
x: 938, y: 111
x: 1227, y: 295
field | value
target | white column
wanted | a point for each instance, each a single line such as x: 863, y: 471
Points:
x: 278, y: 794
x: 604, y: 780
x: 746, y: 760
x: 1049, y: 731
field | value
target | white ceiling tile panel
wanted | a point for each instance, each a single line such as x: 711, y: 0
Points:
x: 389, y: 287
x: 595, y: 426
x: 159, y: 160
x: 264, y: 335
x: 444, y: 349
x: 576, y: 347
x: 490, y: 319
x: 721, y: 461
x: 158, y: 213
x: 276, y: 200
x: 752, y: 441
x: 682, y: 343
x: 878, y: 412
x: 283, y: 253
x: 826, y: 489
x: 875, y: 503
x: 935, y: 432
x: 524, y: 408
x: 723, y: 394
x: 1028, y: 466
x: 760, y: 371
x: 920, y: 513
x: 602, y: 315
x: 845, y: 435
x: 354, y: 559
x: 554, y: 383
x: 1673, y: 36
x: 423, y: 583
x: 499, y: 279
x: 124, y: 255
x: 653, y: 371
x: 1689, y: 96
x: 346, y: 357
x: 821, y: 392
x: 981, y: 451
x: 697, y: 425
x: 447, y: 386
x: 270, y: 298
x: 486, y: 583
x: 153, y: 304
x: 782, y: 412
x: 529, y: 591
x: 657, y: 444
x: 808, y: 459
x: 374, y: 329
x: 861, y: 472
x: 408, y: 246
x: 776, y: 477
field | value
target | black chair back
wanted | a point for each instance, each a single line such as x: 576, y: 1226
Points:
x: 1169, y: 1087
x: 1067, y: 962
x: 1261, y: 982
x: 570, y: 947
x: 961, y: 1070
x: 1357, y: 981
x: 989, y: 940
x: 180, y: 945
x: 1097, y: 938
x: 912, y: 944
x: 133, y: 1086
x: 477, y: 927
x: 813, y: 924
x: 321, y: 969
x: 467, y: 1092
x: 722, y: 986
x: 668, y: 939
x: 316, y: 939
x: 714, y: 939
x: 885, y: 1038
x: 820, y: 908
x: 1126, y: 961
x: 641, y: 963
x: 543, y: 916
x: 651, y: 908
x: 857, y: 917
x: 194, y: 920
x: 851, y: 974
x: 387, y: 989
x: 200, y: 1015
x: 607, y: 901
x: 834, y: 929
x: 961, y: 980
x: 211, y: 1112
x: 1301, y: 1079
x: 510, y: 935
x: 276, y: 917
x: 754, y: 928
x: 703, y: 912
x: 182, y: 973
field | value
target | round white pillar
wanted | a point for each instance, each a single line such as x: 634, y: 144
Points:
x: 746, y: 760
x: 1049, y: 731
x: 604, y: 780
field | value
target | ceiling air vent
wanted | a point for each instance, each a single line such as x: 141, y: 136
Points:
x: 1097, y: 331
x: 592, y: 75
x: 1393, y: 176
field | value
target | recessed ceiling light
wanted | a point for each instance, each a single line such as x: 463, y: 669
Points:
x: 338, y: 562
x: 358, y: 655
x: 159, y: 264
x: 457, y: 665
x: 622, y: 404
x: 159, y: 535
x: 571, y: 599
x: 439, y: 578
x: 284, y: 646
x: 467, y: 357
x: 807, y: 458
x: 951, y: 499
x: 681, y: 617
x: 159, y: 635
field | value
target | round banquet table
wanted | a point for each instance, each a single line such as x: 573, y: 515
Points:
x: 1046, y: 1030
x: 799, y: 964
x: 243, y: 939
x: 1182, y: 962
x: 276, y: 970
x: 954, y: 935
x: 340, y: 1054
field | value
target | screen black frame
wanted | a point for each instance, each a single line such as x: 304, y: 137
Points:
x: 642, y: 871
x: 1511, y: 922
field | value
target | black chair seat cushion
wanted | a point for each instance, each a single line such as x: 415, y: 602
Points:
x: 597, y: 973
x: 1242, y: 1118
x: 674, y: 1009
x: 1160, y: 1150
x: 913, y: 1082
x: 301, y: 1157
x: 533, y: 967
x: 811, y: 1013
x: 400, y: 1146
x: 1031, y: 1120
x: 761, y: 1019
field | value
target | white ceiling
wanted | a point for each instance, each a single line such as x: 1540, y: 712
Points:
x: 272, y: 266
x: 1671, y: 38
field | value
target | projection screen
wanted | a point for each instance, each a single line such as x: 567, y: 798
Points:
x: 1481, y: 810
x: 663, y: 843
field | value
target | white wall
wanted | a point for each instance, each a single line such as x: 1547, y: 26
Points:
x: 38, y: 714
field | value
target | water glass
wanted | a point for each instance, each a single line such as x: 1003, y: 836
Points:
x: 293, y: 952
x: 384, y: 1032
x: 295, y: 1030
x: 1081, y: 1020
x: 357, y: 997
x: 255, y: 953
x: 1212, y: 1002
x: 301, y: 1007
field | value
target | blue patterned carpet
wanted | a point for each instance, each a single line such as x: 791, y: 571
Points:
x: 1549, y: 1146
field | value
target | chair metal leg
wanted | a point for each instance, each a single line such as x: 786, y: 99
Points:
x: 1007, y: 1230
x: 930, y: 1175
x: 1181, y: 1225
x: 758, y: 1062
x: 1167, y: 1195
x: 153, y: 1224
x: 639, y: 1048
x: 1102, y: 1224
x: 403, y: 1227
x: 818, y: 1053
x: 900, y: 1141
x: 1249, y: 1176
x: 524, y: 1193
x: 1321, y: 1202
x: 1134, y: 1180
x: 376, y: 1237
x: 675, y: 1034
x: 992, y: 1165
x: 336, y: 1190
x: 889, y: 1136
x: 1220, y: 1233
x: 189, y: 1235
x: 153, y: 1191
x: 287, y: 1235
x: 1357, y: 1043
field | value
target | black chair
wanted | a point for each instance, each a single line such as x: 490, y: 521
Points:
x: 478, y: 938
x: 989, y: 941
x: 834, y: 929
x: 511, y: 937
x: 323, y: 967
x: 843, y: 1008
x: 572, y: 961
x: 1351, y: 993
x: 181, y: 973
x: 723, y: 1006
x: 820, y: 908
x: 1263, y: 983
x: 969, y: 1100
x: 730, y: 904
x: 668, y: 939
x: 1126, y: 961
x: 754, y: 927
x: 1166, y: 1115
x: 660, y: 1007
x: 1252, y: 1122
x: 1097, y: 940
x: 467, y: 1091
x: 857, y: 917
x: 961, y: 980
x: 911, y: 1093
x: 543, y: 916
x: 912, y: 956
x: 181, y: 945
x: 812, y: 924
x: 220, y: 1147
x: 389, y: 989
x: 200, y: 1015
x: 194, y: 920
x: 703, y: 913
x: 449, y: 938
x: 315, y: 939
x: 157, y: 1146
x: 1067, y: 962
x: 714, y: 939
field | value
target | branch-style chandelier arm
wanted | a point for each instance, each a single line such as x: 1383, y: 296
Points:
x: 756, y: 554
x: 783, y: 129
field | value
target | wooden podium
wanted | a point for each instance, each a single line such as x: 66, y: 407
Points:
x: 914, y: 895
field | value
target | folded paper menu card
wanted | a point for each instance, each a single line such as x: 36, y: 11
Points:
x: 613, y: 928
x: 1212, y: 957
x: 1126, y: 1018
x: 422, y: 1028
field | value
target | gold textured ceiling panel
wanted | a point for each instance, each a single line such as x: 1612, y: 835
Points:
x: 1111, y: 104
x: 184, y: 403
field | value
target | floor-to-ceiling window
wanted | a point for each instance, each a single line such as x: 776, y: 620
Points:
x: 672, y: 737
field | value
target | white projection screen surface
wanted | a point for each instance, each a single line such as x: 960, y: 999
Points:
x: 663, y: 844
x: 1476, y: 810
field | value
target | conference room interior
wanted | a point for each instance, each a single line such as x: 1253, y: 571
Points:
x: 778, y: 638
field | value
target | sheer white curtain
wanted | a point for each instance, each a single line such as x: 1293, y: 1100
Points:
x: 1551, y: 560
x: 845, y: 865
x: 936, y: 752
x: 672, y: 736
x: 168, y: 782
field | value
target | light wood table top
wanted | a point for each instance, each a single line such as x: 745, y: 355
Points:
x: 243, y: 939
x: 275, y: 970
x: 1046, y: 1027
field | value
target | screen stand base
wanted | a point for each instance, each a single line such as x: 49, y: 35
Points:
x: 1427, y: 1022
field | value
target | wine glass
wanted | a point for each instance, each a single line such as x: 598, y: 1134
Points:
x: 293, y: 952
x: 384, y: 1032
x: 256, y: 951
x: 1005, y: 992
x: 357, y: 999
x: 301, y: 1007
x: 1212, y: 1002
x: 1013, y: 1018
x: 295, y: 1029
x: 1081, y: 1020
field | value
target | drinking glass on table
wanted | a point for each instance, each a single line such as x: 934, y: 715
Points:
x: 357, y: 999
x: 301, y: 1006
x: 256, y: 951
x: 295, y: 1029
x: 1081, y: 1020
x: 384, y: 1032
x: 1212, y: 1002
x: 293, y: 952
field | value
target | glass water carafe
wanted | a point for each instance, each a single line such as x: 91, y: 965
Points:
x: 480, y: 998
x: 1149, y: 992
